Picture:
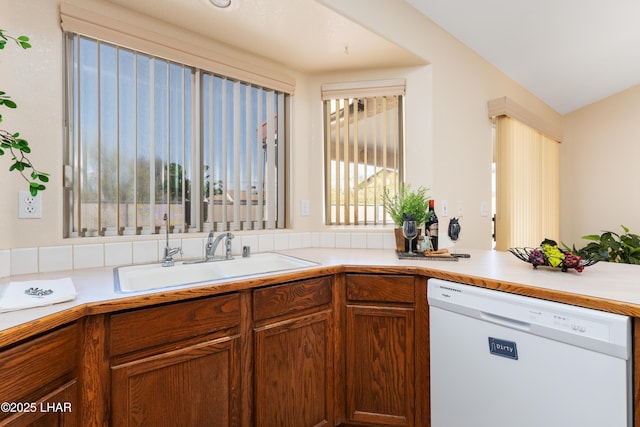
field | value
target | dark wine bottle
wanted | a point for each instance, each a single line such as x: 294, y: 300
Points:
x: 431, y: 226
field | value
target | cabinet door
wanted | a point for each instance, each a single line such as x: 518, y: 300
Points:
x: 194, y: 386
x: 380, y: 365
x: 294, y: 372
x: 57, y: 409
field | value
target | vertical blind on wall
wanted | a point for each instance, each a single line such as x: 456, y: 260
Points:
x: 527, y: 185
x: 363, y: 136
x: 150, y: 137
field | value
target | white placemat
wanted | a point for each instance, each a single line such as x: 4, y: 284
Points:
x: 36, y: 293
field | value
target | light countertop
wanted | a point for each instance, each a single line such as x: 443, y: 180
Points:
x: 608, y: 286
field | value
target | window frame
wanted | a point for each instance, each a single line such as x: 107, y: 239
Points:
x: 361, y: 93
x: 276, y: 205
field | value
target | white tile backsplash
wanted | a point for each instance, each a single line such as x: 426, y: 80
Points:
x: 5, y: 263
x: 359, y: 240
x: 265, y: 242
x: 145, y: 251
x: 118, y: 254
x: 55, y: 258
x: 251, y: 241
x: 296, y: 240
x: 374, y: 241
x: 24, y: 261
x: 388, y: 240
x: 59, y: 258
x: 88, y: 256
x: 343, y: 240
x: 192, y: 248
x: 327, y: 240
x: 280, y: 241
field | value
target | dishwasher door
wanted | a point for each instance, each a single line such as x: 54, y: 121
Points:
x: 498, y: 359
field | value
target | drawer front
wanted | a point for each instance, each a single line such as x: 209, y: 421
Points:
x: 381, y: 288
x: 30, y: 367
x: 148, y: 327
x: 291, y: 297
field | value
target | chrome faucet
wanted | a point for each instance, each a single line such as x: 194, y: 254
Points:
x: 169, y: 252
x: 212, y: 245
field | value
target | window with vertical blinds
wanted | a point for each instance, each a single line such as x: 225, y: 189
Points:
x: 527, y: 185
x: 148, y: 136
x: 363, y: 149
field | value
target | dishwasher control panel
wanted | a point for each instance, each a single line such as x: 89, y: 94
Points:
x: 584, y: 327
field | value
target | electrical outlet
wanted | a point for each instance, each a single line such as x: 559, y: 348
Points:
x: 460, y: 208
x: 29, y: 206
x: 444, y: 210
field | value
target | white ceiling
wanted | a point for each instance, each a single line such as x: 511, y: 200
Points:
x: 569, y: 53
x: 301, y: 34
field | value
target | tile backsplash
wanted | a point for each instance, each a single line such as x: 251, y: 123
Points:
x: 60, y: 258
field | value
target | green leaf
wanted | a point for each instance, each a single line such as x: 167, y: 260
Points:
x: 594, y: 237
x: 8, y: 103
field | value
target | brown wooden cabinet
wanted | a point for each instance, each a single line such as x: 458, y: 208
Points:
x: 178, y: 364
x: 294, y: 354
x: 380, y: 353
x: 38, y: 380
x: 349, y: 349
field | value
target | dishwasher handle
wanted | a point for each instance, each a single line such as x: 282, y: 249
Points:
x: 505, y: 321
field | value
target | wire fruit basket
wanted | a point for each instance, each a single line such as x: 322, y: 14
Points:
x: 563, y: 260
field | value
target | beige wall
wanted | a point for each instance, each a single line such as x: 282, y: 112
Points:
x: 447, y: 130
x: 449, y: 146
x: 599, y: 164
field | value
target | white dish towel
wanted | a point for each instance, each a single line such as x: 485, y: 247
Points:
x: 36, y: 293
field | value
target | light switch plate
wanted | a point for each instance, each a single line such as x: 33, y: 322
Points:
x: 304, y: 208
x: 484, y: 209
x: 29, y: 206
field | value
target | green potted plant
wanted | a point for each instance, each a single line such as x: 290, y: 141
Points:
x: 611, y: 247
x: 405, y: 201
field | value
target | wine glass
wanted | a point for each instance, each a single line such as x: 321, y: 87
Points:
x: 454, y: 231
x: 409, y: 231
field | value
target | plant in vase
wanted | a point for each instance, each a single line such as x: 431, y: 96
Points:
x: 405, y: 202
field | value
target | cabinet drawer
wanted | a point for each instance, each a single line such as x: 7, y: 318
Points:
x: 382, y: 288
x: 30, y: 367
x: 290, y: 297
x: 148, y: 327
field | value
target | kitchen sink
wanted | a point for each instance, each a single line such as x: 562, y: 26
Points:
x: 143, y: 277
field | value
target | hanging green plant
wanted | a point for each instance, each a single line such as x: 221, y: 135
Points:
x: 10, y: 142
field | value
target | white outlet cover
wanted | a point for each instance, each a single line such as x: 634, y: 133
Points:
x: 29, y: 206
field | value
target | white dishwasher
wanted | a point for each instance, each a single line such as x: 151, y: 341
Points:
x: 499, y: 359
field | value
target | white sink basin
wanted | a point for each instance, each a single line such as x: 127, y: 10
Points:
x: 153, y: 276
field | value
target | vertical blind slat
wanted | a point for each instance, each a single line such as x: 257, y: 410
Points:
x: 280, y: 182
x: 271, y: 175
x: 236, y: 157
